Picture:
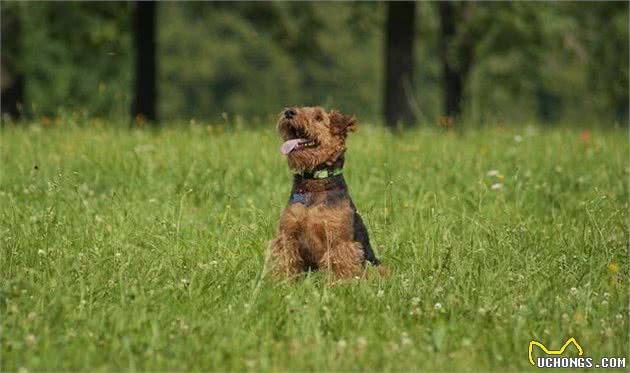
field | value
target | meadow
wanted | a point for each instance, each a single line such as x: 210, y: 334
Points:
x: 143, y: 250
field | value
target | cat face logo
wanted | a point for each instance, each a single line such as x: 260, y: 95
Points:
x: 553, y: 352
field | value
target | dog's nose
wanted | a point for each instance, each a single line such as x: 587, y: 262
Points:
x: 289, y: 113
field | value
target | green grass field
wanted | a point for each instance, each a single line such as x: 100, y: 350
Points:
x: 143, y: 250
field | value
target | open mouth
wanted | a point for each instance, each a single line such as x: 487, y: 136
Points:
x: 298, y: 141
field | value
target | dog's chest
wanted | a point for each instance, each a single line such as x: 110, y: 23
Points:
x: 319, y: 220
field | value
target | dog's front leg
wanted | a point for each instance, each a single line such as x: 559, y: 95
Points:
x: 284, y: 256
x: 285, y: 259
x: 343, y: 260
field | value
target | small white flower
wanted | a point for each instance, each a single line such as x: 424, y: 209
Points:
x: 496, y: 186
x: 41, y: 252
x: 361, y: 342
x: 185, y: 281
x: 30, y: 339
x: 619, y: 317
x: 415, y: 301
x: 438, y: 306
x: 380, y: 293
x: 604, y: 303
x: 573, y: 291
x: 606, y: 295
x: 341, y: 344
x: 518, y: 138
x: 405, y: 340
x: 481, y: 311
x: 493, y: 173
x: 117, y: 255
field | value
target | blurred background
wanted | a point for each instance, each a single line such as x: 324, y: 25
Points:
x: 391, y: 63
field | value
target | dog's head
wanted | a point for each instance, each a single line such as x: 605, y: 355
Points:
x: 313, y: 137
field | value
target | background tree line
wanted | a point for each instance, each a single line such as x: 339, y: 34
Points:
x: 406, y: 62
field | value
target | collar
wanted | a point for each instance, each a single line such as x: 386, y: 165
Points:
x: 321, y: 174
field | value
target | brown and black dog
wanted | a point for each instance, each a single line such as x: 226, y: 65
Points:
x: 320, y: 229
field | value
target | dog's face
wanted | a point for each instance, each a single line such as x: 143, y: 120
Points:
x: 313, y: 136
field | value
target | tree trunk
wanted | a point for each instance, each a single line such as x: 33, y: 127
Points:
x: 12, y: 82
x: 456, y: 59
x: 145, y: 84
x: 399, y: 63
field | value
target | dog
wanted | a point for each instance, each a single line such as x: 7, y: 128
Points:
x: 320, y: 228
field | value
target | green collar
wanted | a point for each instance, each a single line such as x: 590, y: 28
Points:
x: 321, y: 174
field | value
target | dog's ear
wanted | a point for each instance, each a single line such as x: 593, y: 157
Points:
x: 342, y: 124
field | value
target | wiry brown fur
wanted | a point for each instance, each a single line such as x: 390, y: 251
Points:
x: 319, y: 231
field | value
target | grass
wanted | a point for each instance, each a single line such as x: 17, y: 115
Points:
x: 143, y: 250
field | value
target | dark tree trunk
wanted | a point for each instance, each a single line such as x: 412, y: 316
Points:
x: 456, y: 59
x: 12, y: 84
x: 145, y: 84
x: 399, y: 63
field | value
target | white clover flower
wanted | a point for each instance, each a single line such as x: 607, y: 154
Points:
x: 30, y: 339
x: 493, y: 173
x: 41, y: 252
x: 361, y: 342
x: 438, y: 306
x: 380, y: 293
x: 496, y: 186
x: 518, y: 138
x: 405, y: 340
x: 573, y: 291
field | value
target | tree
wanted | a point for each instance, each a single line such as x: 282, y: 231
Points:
x: 399, y: 41
x: 456, y: 54
x: 145, y: 83
x: 12, y: 84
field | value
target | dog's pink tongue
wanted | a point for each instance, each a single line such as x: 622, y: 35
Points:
x: 288, y: 146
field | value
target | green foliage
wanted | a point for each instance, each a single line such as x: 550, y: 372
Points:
x: 552, y: 61
x: 143, y: 250
x: 77, y: 56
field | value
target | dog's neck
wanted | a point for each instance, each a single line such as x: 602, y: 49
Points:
x: 305, y: 182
